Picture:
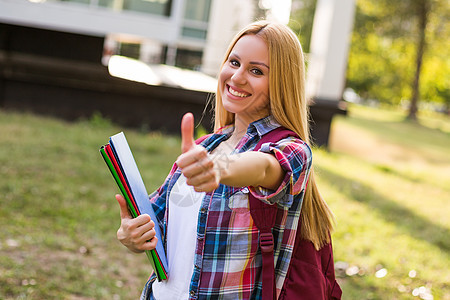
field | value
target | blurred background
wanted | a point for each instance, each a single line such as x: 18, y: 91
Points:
x: 74, y: 72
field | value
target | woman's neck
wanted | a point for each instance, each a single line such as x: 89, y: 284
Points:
x: 240, y: 128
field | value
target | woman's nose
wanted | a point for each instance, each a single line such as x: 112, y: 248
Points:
x: 239, y: 76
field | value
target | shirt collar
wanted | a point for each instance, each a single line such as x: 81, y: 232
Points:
x: 226, y: 130
x: 263, y: 126
x: 259, y: 127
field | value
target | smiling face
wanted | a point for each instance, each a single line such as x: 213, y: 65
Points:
x: 244, y: 80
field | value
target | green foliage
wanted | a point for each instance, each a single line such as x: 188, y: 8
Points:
x: 382, y: 58
x: 97, y: 120
x: 302, y: 18
x: 374, y: 73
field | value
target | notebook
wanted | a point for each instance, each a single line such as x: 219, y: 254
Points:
x: 120, y: 161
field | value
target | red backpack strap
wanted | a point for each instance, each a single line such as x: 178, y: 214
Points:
x: 302, y: 281
x: 264, y: 216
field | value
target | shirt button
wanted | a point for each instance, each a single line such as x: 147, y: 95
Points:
x: 203, y: 210
x: 192, y: 293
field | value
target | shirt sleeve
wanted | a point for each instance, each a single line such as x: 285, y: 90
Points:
x: 295, y: 158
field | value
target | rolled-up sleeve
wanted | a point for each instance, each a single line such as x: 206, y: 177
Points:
x: 295, y: 158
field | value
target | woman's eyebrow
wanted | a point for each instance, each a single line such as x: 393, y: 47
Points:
x: 260, y: 64
x: 252, y: 62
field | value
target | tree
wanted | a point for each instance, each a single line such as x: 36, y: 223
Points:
x: 398, y: 52
x: 302, y: 18
x: 422, y: 8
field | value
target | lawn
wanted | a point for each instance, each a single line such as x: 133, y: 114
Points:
x: 387, y: 181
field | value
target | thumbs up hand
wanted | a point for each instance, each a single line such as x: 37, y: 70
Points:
x: 187, y: 132
x: 195, y: 163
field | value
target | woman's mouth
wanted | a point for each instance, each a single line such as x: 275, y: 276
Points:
x: 237, y: 93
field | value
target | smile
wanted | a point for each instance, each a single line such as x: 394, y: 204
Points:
x: 236, y: 93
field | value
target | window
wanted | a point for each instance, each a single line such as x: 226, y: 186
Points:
x: 196, y: 17
x: 129, y: 50
x: 188, y: 59
x: 156, y: 7
x: 194, y: 33
x: 197, y: 10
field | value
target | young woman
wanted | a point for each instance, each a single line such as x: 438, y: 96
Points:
x: 203, y: 206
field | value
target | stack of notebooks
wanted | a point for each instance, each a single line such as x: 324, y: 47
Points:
x: 120, y: 161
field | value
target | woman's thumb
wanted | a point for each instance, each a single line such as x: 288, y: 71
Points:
x: 124, y: 212
x: 187, y: 132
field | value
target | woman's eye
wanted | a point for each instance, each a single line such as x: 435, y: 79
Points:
x: 257, y: 72
x: 234, y: 63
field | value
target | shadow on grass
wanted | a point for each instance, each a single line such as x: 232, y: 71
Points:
x: 417, y: 178
x: 406, y: 133
x: 416, y: 225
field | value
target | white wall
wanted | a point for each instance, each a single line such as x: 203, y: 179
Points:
x: 226, y: 19
x: 330, y: 41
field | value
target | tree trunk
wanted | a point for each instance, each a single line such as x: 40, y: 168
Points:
x: 422, y: 10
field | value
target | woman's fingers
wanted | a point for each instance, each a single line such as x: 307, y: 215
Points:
x: 199, y: 169
x: 195, y: 154
x: 150, y: 244
x: 203, y: 179
x: 206, y: 187
x: 137, y: 234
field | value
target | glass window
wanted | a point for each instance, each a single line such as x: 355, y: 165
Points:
x: 78, y: 1
x: 129, y: 50
x: 197, y: 10
x: 157, y: 7
x: 107, y: 3
x: 188, y: 59
x: 194, y: 33
x: 196, y: 16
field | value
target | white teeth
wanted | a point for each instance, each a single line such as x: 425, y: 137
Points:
x: 236, y: 93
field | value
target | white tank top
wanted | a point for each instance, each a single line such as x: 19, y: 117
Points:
x: 184, y: 205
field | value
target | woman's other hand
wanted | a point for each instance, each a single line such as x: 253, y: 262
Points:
x: 137, y: 234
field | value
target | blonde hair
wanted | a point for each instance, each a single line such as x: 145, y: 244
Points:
x: 288, y: 105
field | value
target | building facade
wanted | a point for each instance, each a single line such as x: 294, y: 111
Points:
x: 189, y: 34
x: 57, y: 50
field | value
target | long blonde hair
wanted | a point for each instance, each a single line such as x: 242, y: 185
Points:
x: 288, y: 105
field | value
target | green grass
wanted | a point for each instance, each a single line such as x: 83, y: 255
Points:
x: 58, y: 213
x: 387, y: 181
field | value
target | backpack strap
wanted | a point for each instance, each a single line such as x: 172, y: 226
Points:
x: 264, y: 216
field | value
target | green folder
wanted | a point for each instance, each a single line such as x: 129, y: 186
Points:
x: 129, y: 181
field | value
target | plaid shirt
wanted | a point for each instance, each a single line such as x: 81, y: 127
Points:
x: 227, y: 261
